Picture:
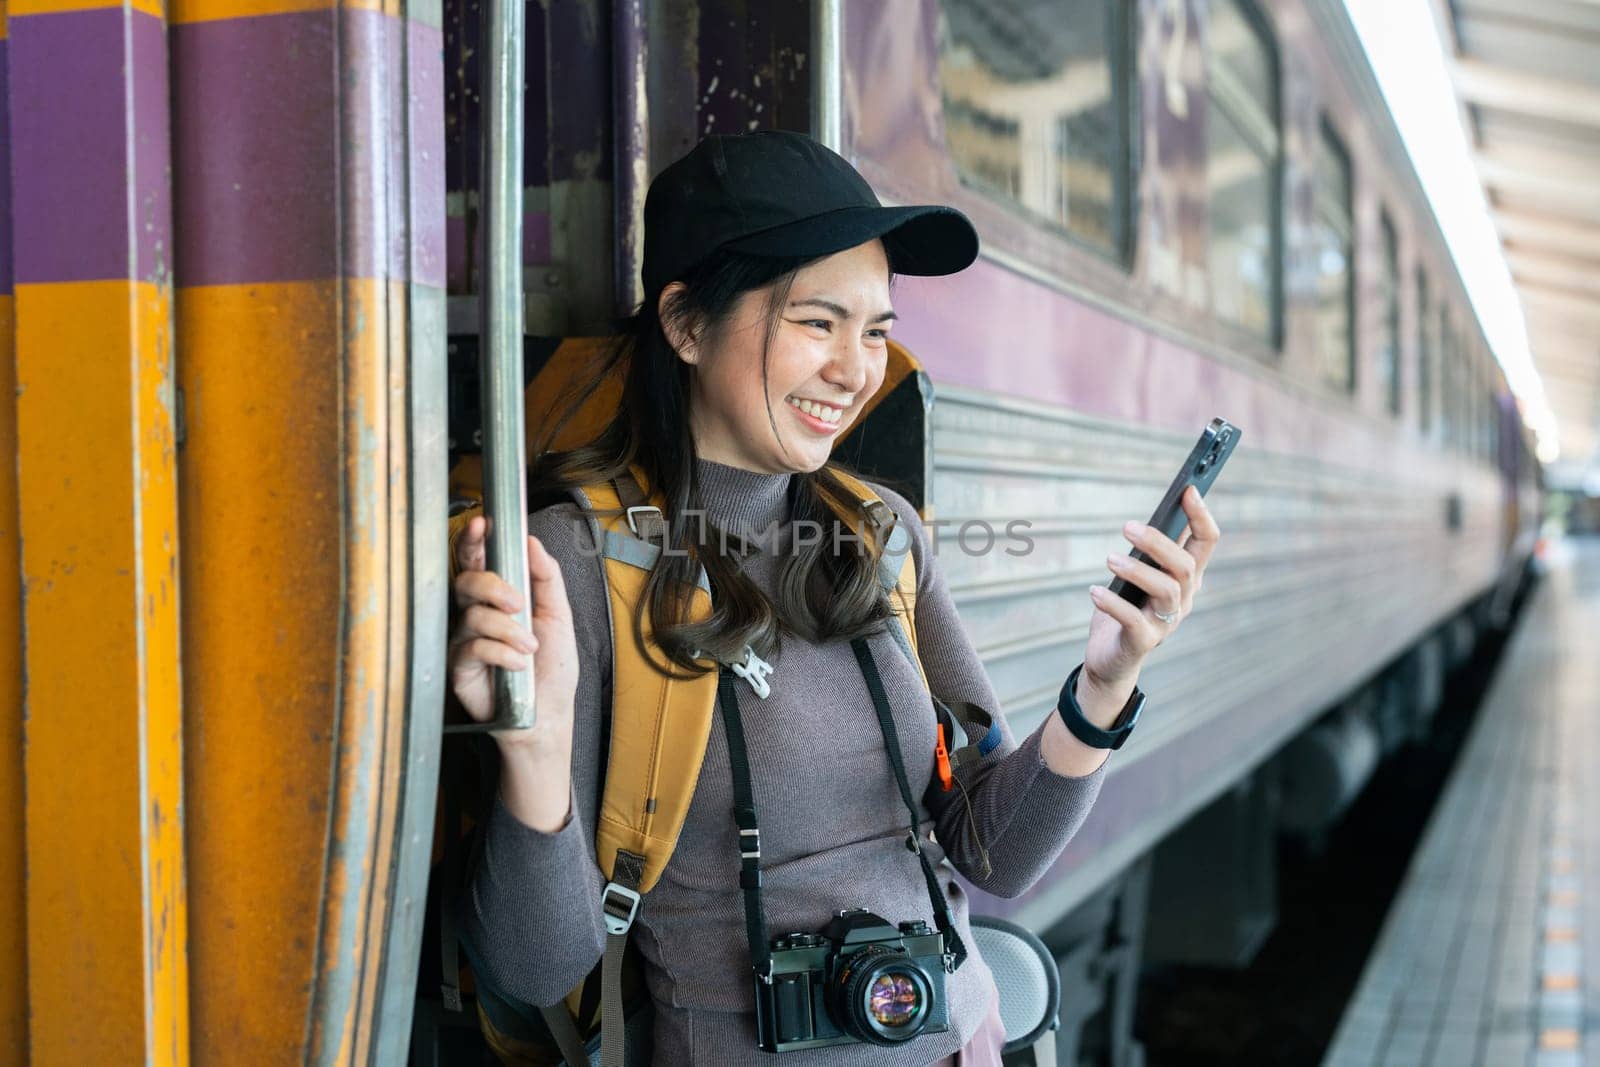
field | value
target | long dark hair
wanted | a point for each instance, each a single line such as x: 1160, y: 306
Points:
x: 826, y: 591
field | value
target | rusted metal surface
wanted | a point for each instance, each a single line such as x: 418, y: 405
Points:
x: 310, y: 209
x: 106, y: 904
x: 428, y: 590
x: 259, y: 691
x: 259, y: 330
x: 368, y: 848
x: 365, y: 716
x: 96, y: 454
x: 13, y: 856
x: 630, y: 66
x: 418, y: 575
x: 371, y: 853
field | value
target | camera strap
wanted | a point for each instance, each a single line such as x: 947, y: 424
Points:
x: 744, y: 814
x: 891, y: 741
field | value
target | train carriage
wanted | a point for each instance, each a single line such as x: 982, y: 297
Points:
x: 242, y: 238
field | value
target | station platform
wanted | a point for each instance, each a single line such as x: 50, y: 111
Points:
x: 1490, y: 954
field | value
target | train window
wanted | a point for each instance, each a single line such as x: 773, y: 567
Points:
x: 1424, y: 356
x: 1334, y: 235
x: 1037, y: 110
x: 1244, y: 160
x: 1389, y: 292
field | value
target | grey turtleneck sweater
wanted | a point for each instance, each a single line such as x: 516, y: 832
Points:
x: 833, y: 825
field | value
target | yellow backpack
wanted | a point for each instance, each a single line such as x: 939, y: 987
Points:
x: 659, y: 730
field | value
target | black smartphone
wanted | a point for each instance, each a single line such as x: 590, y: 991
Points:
x: 1199, y: 470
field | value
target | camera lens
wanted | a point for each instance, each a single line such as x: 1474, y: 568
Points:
x: 893, y: 999
x: 882, y: 996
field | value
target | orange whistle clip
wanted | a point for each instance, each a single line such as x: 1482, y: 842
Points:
x: 941, y: 756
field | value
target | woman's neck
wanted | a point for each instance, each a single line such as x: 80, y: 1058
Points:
x: 736, y: 499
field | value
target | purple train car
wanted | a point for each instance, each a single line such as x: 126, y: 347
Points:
x: 239, y: 240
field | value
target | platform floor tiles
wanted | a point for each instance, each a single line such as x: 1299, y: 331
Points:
x: 1490, y: 955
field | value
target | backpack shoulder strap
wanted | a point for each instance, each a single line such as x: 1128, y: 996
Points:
x: 659, y: 729
x: 897, y: 570
x: 659, y: 724
x: 972, y: 731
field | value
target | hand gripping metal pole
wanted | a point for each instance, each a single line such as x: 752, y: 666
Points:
x: 501, y: 322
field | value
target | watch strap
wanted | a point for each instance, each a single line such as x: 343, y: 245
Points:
x: 1087, y: 732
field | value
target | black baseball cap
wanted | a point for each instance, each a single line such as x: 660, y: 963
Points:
x: 779, y: 193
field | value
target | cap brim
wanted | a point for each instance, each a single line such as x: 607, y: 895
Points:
x: 926, y: 240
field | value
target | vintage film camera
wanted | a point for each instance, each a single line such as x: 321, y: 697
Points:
x: 861, y: 980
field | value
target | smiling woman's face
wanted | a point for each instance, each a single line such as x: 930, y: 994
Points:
x: 825, y: 361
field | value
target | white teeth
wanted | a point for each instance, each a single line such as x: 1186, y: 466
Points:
x: 821, y: 411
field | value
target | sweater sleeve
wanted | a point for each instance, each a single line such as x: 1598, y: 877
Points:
x: 1022, y: 812
x: 533, y: 917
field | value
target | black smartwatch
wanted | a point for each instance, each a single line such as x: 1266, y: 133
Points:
x: 1088, y: 732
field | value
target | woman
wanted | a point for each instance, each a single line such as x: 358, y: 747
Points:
x: 763, y: 334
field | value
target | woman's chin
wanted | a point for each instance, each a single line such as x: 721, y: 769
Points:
x: 815, y: 463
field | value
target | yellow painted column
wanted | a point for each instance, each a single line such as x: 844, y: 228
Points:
x: 96, y: 446
x: 13, y: 877
x: 13, y: 880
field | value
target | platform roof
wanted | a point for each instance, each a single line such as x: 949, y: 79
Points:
x: 1527, y: 73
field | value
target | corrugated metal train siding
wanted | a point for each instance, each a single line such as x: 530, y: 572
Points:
x: 1325, y: 574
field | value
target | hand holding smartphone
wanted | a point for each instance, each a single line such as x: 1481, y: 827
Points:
x: 1200, y: 470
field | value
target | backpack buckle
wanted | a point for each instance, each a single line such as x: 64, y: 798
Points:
x: 620, y: 905
x: 878, y: 512
x: 754, y: 670
x: 633, y: 518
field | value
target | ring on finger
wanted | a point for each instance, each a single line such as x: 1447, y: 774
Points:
x: 1165, y: 617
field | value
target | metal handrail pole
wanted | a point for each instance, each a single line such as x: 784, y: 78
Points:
x: 630, y: 63
x: 827, y: 67
x: 501, y: 322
